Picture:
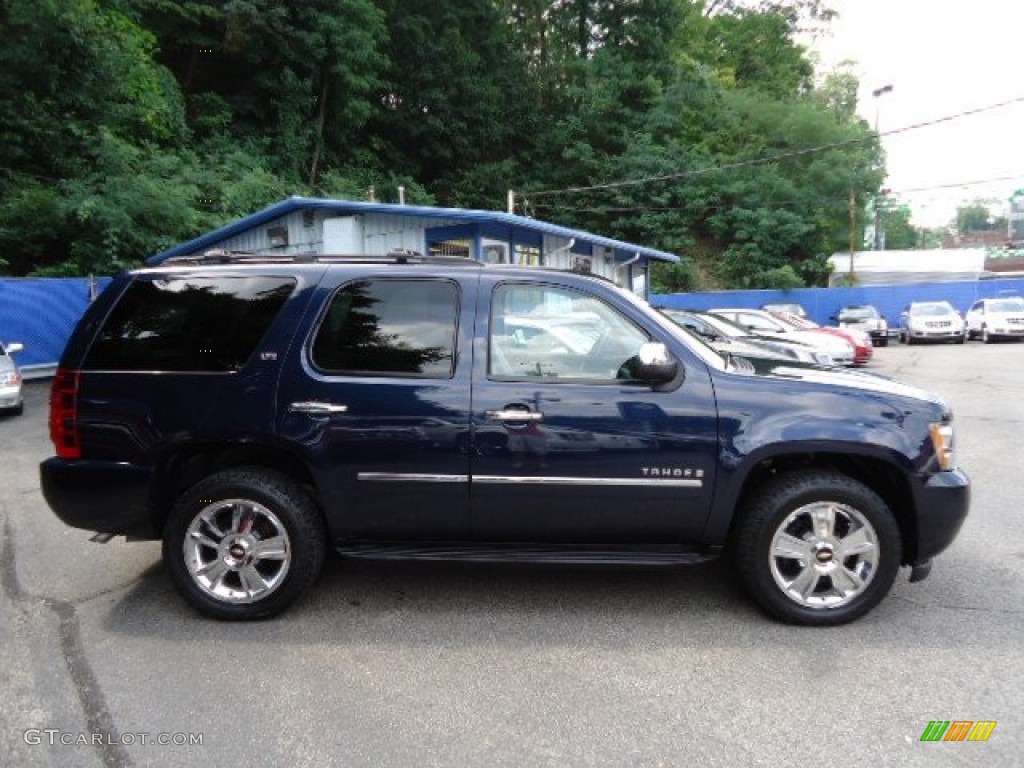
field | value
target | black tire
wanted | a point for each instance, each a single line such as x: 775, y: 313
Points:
x: 782, y: 506
x: 273, y: 512
x: 883, y: 342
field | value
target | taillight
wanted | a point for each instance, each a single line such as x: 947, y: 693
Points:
x: 64, y: 414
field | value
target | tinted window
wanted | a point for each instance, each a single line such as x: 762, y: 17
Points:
x: 390, y: 327
x: 202, y: 324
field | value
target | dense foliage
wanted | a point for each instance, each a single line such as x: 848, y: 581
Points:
x: 694, y: 126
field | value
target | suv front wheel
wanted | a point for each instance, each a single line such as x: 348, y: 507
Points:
x: 244, y: 543
x: 817, y: 547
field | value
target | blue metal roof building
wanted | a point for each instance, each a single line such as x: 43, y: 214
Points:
x: 314, y: 225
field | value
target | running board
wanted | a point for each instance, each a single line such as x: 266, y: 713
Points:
x: 524, y: 553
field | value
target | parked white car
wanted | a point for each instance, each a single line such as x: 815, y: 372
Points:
x: 931, y: 321
x: 1001, y: 318
x: 10, y: 379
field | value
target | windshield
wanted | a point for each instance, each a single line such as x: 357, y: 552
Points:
x: 933, y: 310
x: 1006, y: 305
x: 726, y: 327
x: 794, y: 309
x: 857, y: 313
x: 795, y: 321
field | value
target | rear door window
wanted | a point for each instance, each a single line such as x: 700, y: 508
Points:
x: 389, y: 327
x: 188, y: 324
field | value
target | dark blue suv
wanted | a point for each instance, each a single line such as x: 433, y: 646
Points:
x: 253, y: 412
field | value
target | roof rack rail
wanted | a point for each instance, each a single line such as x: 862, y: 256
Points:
x: 395, y: 256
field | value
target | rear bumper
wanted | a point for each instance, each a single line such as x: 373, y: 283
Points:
x: 102, y: 496
x: 942, y: 505
x: 10, y: 397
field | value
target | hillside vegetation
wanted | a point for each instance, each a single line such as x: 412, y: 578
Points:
x: 697, y: 127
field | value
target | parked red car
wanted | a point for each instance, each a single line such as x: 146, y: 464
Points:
x: 863, y: 349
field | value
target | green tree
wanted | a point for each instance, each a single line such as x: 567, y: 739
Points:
x: 979, y: 216
x: 455, y: 94
x: 900, y: 234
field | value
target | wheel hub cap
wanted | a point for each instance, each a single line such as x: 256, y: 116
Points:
x: 824, y: 555
x: 237, y: 551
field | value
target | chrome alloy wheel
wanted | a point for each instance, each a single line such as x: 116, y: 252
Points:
x: 824, y: 555
x: 237, y: 551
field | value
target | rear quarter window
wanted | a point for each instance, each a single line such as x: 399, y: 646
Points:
x: 188, y: 324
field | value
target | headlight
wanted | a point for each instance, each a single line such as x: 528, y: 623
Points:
x: 9, y: 379
x: 942, y: 440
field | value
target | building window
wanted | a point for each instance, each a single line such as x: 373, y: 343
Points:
x: 455, y: 247
x: 529, y: 256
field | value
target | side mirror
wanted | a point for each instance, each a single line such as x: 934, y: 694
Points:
x: 16, y: 346
x: 654, y: 364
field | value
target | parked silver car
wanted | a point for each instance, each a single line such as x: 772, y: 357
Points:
x: 867, y: 318
x: 931, y: 321
x: 10, y: 379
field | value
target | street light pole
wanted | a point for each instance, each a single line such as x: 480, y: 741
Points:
x: 876, y: 94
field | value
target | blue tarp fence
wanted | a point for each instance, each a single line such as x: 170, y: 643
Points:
x: 822, y: 303
x: 42, y: 312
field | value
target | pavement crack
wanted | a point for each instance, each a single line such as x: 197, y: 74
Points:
x: 90, y: 695
x: 959, y: 607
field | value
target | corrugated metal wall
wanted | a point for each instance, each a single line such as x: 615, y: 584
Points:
x: 41, y: 313
x: 822, y: 303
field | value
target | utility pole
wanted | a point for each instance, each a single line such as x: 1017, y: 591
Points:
x: 853, y: 234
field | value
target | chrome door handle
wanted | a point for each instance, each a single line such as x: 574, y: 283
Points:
x: 317, y: 409
x: 514, y: 415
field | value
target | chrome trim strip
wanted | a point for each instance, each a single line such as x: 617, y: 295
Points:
x: 606, y: 481
x: 395, y: 477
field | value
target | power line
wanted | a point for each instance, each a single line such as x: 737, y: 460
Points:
x: 839, y: 200
x: 780, y: 156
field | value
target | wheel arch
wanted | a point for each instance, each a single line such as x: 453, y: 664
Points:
x: 880, y: 475
x: 187, y: 466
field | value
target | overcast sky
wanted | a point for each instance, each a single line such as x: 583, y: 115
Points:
x: 941, y: 58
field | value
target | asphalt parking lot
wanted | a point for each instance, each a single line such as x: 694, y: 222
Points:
x: 442, y: 665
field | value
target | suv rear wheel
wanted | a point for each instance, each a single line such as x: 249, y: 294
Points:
x: 817, y: 547
x: 244, y: 543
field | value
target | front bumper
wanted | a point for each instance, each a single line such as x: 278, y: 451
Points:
x: 1006, y: 332
x: 942, y: 504
x: 935, y: 335
x: 103, y: 496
